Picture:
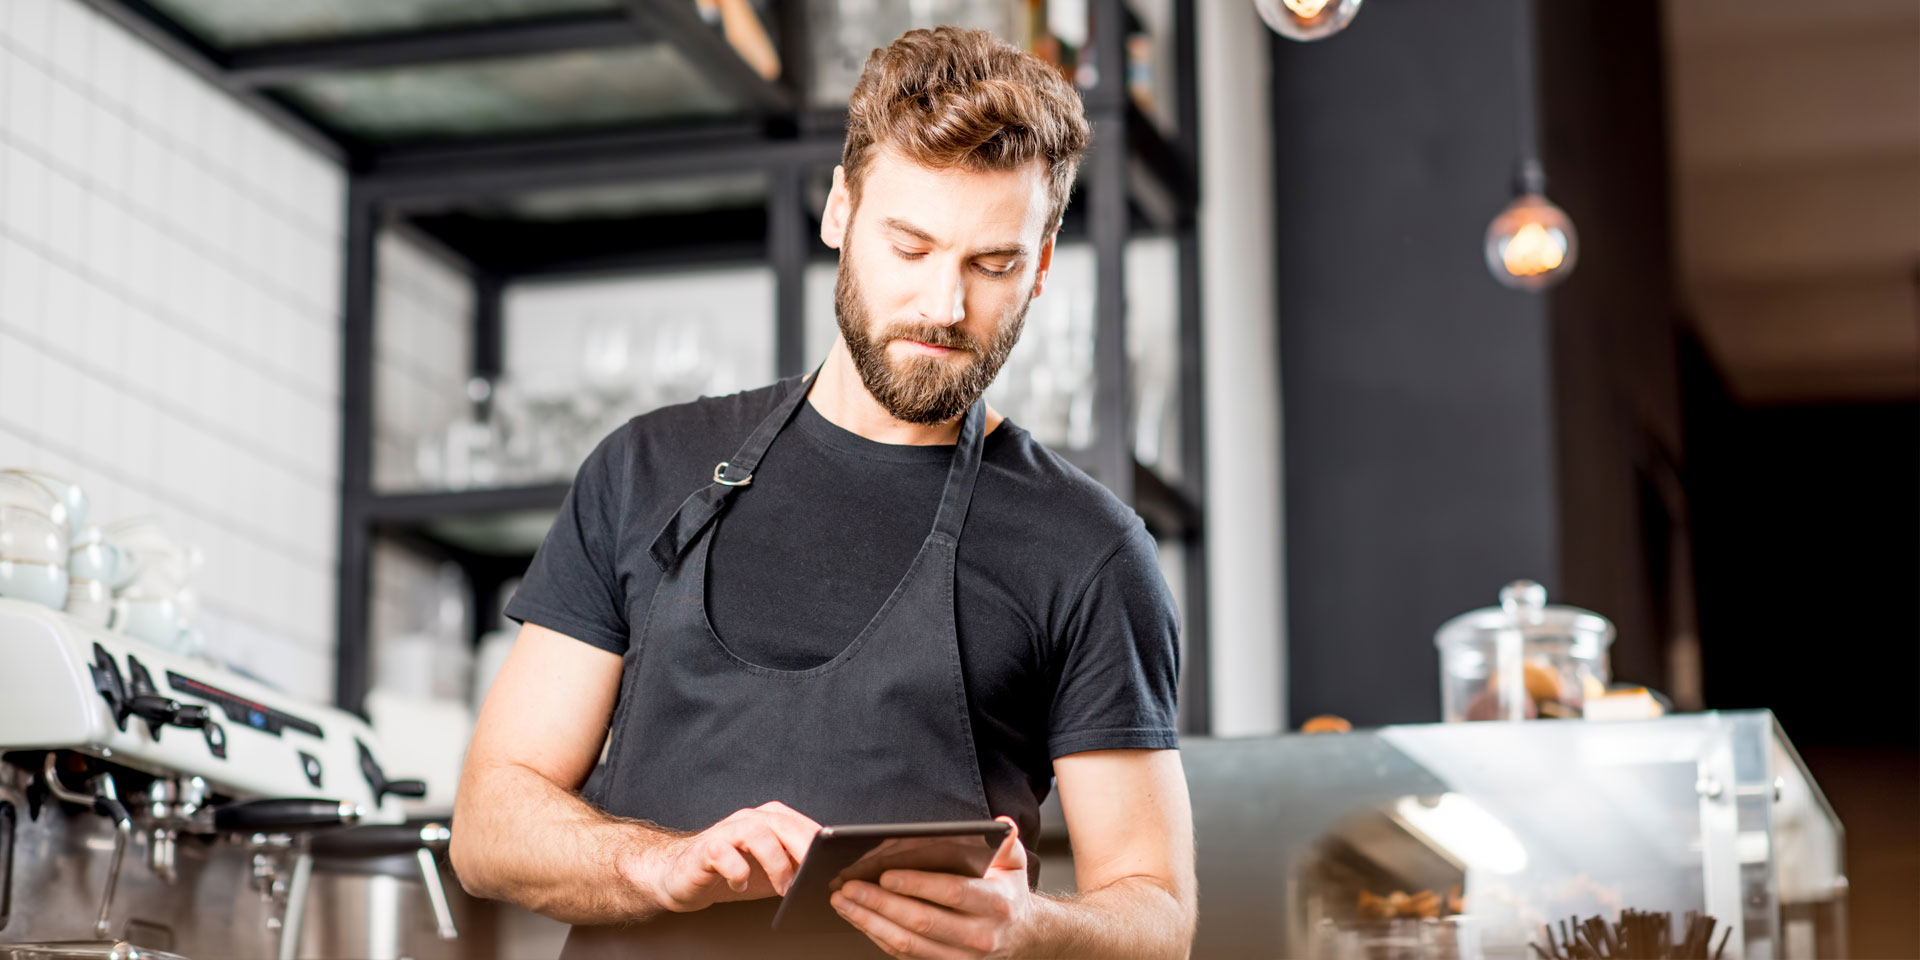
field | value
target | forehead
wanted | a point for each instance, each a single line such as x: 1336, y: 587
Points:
x: 955, y: 202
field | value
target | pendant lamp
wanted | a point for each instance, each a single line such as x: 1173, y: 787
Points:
x: 1530, y: 245
x: 1307, y: 19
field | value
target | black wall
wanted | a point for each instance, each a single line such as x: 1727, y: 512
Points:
x: 1418, y: 440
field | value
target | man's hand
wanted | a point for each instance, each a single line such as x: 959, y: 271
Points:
x: 753, y: 853
x: 940, y: 916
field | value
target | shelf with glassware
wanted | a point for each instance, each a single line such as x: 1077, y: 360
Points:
x: 712, y: 232
x: 584, y: 355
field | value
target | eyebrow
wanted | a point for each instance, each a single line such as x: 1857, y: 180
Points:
x: 1005, y: 250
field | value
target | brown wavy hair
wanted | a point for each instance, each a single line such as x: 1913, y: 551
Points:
x: 948, y: 97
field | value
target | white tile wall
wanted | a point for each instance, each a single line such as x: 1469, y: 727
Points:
x: 169, y: 330
x: 423, y: 354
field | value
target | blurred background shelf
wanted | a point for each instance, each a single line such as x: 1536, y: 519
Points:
x: 510, y: 522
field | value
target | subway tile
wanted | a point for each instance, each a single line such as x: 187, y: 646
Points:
x: 139, y: 361
x: 68, y: 39
x: 15, y: 449
x: 138, y: 440
x: 66, y: 127
x: 106, y: 238
x: 23, y: 280
x: 174, y: 365
x: 59, y: 396
x: 106, y: 151
x: 112, y: 53
x: 29, y: 27
x: 173, y: 461
x: 99, y: 406
x: 220, y: 131
x: 103, y: 322
x: 21, y: 367
x: 60, y: 313
x: 66, y: 217
x: 26, y: 197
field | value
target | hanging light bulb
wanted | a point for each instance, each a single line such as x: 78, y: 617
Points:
x: 1307, y: 19
x: 1531, y: 245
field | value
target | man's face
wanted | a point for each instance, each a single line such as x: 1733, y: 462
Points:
x: 932, y: 297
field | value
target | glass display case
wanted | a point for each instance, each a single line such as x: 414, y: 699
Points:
x: 1467, y: 840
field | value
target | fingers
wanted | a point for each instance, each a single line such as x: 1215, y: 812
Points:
x: 719, y: 856
x: 1012, y: 854
x: 946, y: 889
x: 761, y: 841
x: 894, y: 931
x: 794, y: 828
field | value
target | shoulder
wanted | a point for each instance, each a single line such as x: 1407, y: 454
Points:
x: 1028, y: 486
x: 694, y: 429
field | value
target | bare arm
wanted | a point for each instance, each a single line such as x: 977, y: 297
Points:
x: 1133, y: 863
x: 1132, y: 829
x: 522, y: 833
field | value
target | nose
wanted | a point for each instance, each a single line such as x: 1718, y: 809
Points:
x: 943, y: 300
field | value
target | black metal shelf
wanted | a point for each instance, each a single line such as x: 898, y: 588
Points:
x: 1170, y: 513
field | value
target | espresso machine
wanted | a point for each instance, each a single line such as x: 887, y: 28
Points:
x: 155, y: 806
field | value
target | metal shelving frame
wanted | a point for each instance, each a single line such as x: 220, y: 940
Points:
x: 1149, y: 185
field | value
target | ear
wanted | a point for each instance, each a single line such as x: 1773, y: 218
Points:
x: 834, y: 219
x: 1046, y: 261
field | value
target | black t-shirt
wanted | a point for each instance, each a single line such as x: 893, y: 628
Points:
x: 1068, y: 635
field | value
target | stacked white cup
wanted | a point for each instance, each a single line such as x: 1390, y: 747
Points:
x: 39, y: 515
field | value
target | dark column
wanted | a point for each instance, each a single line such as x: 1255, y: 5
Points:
x: 1622, y: 516
x: 1419, y: 445
x: 356, y: 450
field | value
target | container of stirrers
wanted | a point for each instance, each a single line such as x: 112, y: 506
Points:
x: 1637, y: 936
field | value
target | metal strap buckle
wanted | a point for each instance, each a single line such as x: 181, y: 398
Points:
x: 719, y: 477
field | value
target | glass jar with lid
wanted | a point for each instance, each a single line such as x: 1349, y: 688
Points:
x: 1523, y: 659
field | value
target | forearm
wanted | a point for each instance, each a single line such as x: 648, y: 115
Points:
x: 1134, y: 918
x: 520, y: 838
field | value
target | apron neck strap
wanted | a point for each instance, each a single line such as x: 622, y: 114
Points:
x: 964, y: 471
x: 702, y: 505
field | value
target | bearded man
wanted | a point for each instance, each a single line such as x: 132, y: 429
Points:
x: 861, y: 596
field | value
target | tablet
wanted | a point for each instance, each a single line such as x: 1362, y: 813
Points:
x: 864, y: 851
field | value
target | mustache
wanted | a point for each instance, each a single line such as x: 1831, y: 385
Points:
x: 931, y: 334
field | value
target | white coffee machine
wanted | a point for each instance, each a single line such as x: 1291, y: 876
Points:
x: 114, y: 750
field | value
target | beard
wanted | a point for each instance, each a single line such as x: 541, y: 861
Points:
x: 920, y: 389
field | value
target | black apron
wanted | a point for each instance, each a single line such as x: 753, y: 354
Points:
x: 880, y: 733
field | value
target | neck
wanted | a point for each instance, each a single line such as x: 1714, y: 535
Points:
x: 840, y: 397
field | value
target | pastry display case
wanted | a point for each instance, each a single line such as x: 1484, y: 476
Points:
x: 1480, y: 840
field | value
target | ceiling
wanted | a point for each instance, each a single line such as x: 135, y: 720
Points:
x: 1795, y: 137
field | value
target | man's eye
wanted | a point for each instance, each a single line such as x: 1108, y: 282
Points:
x: 995, y: 274
x: 907, y: 254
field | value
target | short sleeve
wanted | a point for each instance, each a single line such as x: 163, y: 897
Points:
x: 1120, y: 669
x: 573, y: 585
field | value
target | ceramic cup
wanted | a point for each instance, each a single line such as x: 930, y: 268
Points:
x: 72, y: 499
x: 31, y: 537
x: 90, y: 602
x: 162, y: 566
x: 95, y: 556
x: 154, y: 621
x: 41, y: 583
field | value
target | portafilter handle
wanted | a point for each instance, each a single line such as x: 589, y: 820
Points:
x: 385, y: 840
x: 285, y: 815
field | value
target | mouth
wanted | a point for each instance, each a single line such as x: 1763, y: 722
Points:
x: 925, y: 349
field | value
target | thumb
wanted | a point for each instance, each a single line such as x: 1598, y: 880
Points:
x: 1012, y: 854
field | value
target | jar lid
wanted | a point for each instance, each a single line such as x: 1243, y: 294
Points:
x: 1524, y: 607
